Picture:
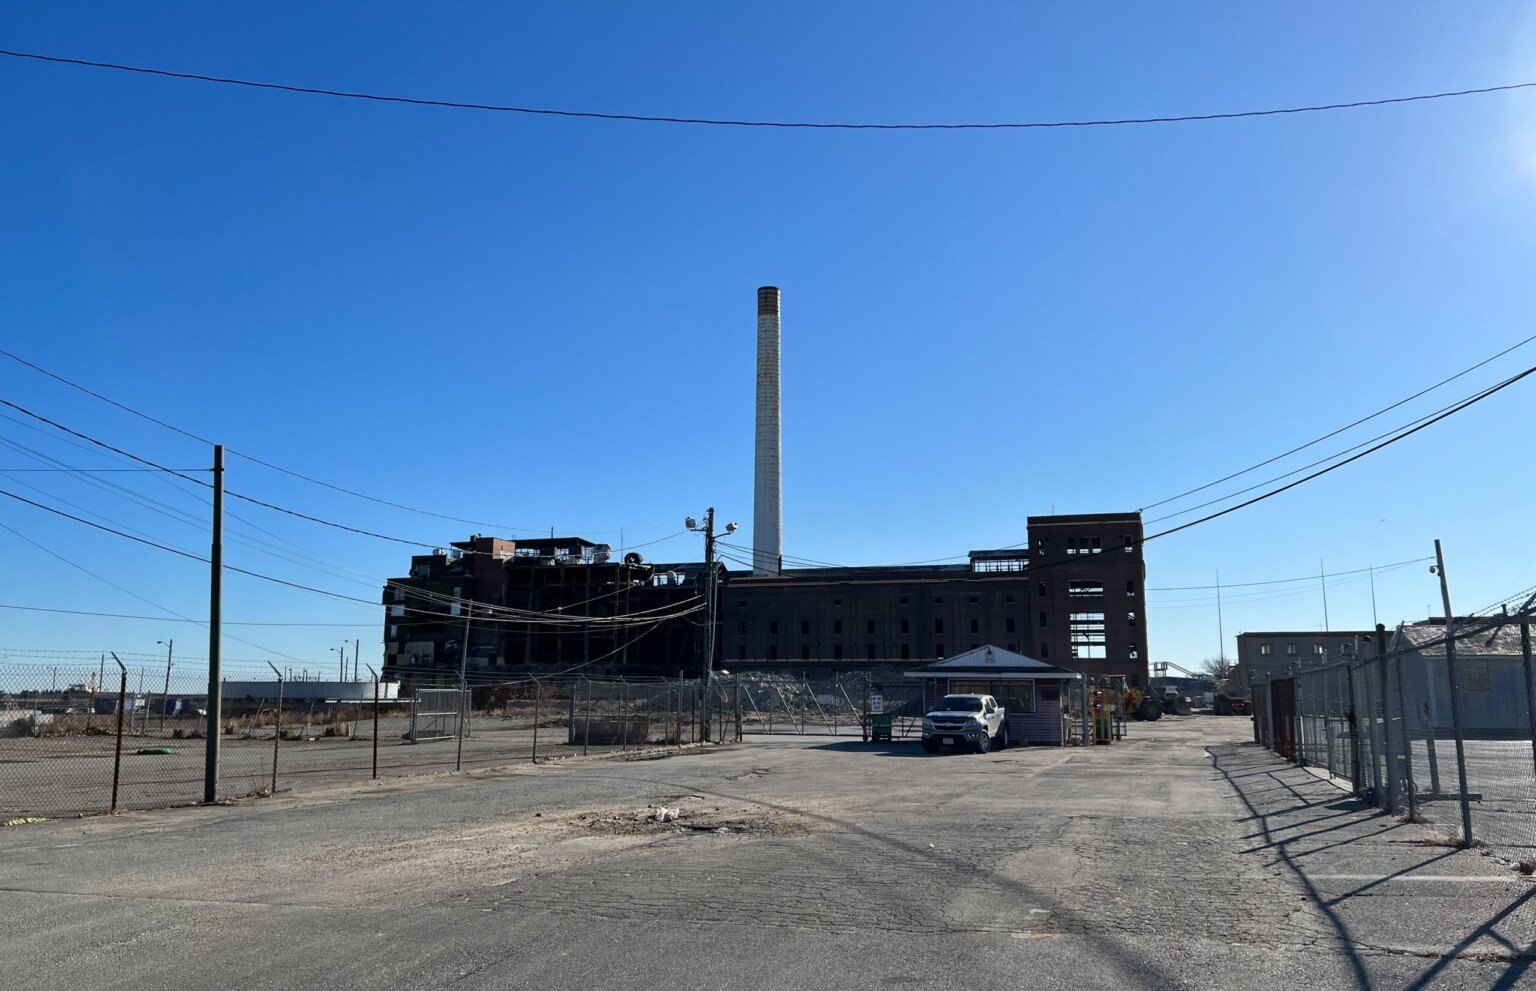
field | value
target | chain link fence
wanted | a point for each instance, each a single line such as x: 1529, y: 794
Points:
x: 79, y: 741
x: 1439, y: 726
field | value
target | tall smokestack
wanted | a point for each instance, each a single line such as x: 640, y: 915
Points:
x: 767, y: 516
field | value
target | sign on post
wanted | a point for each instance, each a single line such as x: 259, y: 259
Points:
x: 876, y: 705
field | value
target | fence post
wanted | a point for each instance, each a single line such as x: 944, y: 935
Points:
x: 1370, y: 729
x: 375, y: 724
x: 458, y: 757
x: 538, y: 701
x: 623, y: 715
x: 1453, y: 673
x: 277, y: 732
x: 737, y: 692
x: 570, y: 717
x: 1298, y: 726
x: 1402, y: 719
x: 117, y: 755
x: 1352, y: 727
x: 586, y: 721
x: 1384, y: 693
x: 1530, y: 681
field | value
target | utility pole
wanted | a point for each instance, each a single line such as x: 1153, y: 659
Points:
x: 1221, y: 632
x: 1454, y: 676
x: 1323, y: 580
x: 458, y: 761
x: 357, y: 657
x: 165, y: 696
x: 215, y: 632
x: 709, y: 608
x: 1373, y: 594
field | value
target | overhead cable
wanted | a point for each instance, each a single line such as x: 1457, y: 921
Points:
x: 735, y: 122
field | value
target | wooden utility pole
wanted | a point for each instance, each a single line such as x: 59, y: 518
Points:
x: 215, y: 632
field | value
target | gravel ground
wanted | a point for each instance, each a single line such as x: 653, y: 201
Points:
x: 1180, y: 858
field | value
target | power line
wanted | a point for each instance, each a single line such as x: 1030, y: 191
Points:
x: 198, y: 481
x: 1340, y: 430
x: 730, y: 122
x: 1281, y: 581
x: 163, y: 619
x: 1370, y: 450
x: 289, y: 471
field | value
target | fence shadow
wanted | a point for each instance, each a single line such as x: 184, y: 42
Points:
x: 1238, y: 764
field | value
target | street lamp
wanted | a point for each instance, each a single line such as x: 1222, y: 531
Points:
x: 165, y: 696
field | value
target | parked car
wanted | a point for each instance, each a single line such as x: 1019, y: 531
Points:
x: 973, y: 721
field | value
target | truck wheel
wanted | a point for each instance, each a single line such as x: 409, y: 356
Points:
x: 930, y: 746
x: 983, y: 743
x: 1149, y: 710
x: 1223, y: 706
x: 1000, y: 741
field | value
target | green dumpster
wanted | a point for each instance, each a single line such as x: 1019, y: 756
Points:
x: 880, y: 727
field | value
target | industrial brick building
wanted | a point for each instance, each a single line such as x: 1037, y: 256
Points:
x: 1071, y: 599
x: 1073, y: 596
x: 430, y: 612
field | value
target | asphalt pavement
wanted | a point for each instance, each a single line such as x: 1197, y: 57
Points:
x: 1183, y: 857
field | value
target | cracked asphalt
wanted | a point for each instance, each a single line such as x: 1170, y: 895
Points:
x: 1183, y: 857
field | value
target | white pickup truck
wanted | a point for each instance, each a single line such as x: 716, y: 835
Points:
x: 974, y: 721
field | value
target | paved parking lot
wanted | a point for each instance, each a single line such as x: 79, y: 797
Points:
x: 1183, y: 857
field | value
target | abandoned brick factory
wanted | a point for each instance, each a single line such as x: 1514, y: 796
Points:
x: 492, y: 607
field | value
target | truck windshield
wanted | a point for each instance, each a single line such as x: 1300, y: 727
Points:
x: 960, y: 703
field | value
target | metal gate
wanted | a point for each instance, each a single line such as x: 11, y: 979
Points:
x: 1282, y: 708
x: 436, y: 714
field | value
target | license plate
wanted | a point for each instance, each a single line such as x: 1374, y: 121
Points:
x: 951, y: 739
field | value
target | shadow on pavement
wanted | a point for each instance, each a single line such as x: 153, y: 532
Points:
x: 1239, y: 764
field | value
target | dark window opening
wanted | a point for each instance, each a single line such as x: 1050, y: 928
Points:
x: 904, y: 626
x: 906, y: 652
x: 938, y: 626
x: 837, y: 626
x: 1008, y: 625
x: 805, y: 652
x: 1045, y: 619
x: 871, y: 652
x: 805, y: 627
x: 869, y: 626
x: 773, y: 627
x: 973, y: 626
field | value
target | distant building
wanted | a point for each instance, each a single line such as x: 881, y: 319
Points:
x: 1263, y: 656
x: 1073, y: 596
x: 1489, y: 665
x: 430, y: 612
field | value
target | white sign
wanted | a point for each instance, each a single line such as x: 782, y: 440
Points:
x: 877, y: 705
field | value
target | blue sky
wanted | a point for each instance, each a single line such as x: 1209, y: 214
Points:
x: 550, y: 322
